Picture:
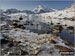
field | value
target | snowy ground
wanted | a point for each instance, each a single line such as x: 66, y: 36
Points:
x: 31, y: 41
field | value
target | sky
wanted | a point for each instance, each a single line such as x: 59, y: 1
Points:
x: 31, y: 4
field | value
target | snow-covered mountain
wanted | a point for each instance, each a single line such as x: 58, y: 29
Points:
x: 28, y: 11
x: 2, y: 14
x: 42, y: 9
x: 38, y: 9
x: 11, y: 11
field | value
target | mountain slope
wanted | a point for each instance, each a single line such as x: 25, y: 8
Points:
x: 58, y: 16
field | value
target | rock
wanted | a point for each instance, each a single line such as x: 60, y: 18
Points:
x: 10, y: 38
x: 28, y: 43
x: 70, y: 28
x: 21, y: 52
x: 15, y: 43
x: 52, y: 41
x: 58, y: 28
x: 3, y: 41
x: 62, y: 48
x: 53, y: 36
x: 10, y: 44
x: 67, y: 42
x: 72, y: 46
x: 21, y: 26
x: 35, y: 48
x: 25, y: 53
x: 37, y: 42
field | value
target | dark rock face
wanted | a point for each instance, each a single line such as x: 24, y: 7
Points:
x: 3, y: 41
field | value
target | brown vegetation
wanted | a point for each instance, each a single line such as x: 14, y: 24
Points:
x: 62, y: 48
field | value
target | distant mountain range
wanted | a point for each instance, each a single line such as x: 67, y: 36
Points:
x: 38, y: 9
